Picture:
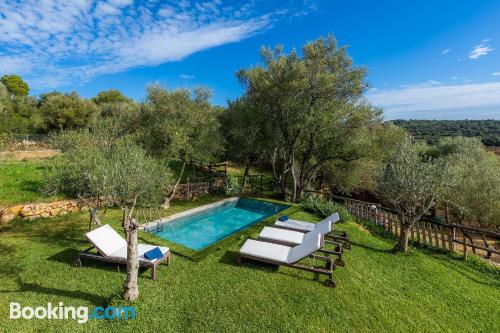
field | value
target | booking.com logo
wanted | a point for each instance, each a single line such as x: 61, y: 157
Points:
x: 81, y: 314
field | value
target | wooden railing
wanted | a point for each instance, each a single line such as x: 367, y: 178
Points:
x: 427, y: 232
x: 211, y: 167
x: 448, y: 237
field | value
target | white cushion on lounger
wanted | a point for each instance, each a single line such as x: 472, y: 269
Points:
x: 142, y: 248
x: 308, y: 226
x: 106, y: 240
x: 288, y: 236
x: 309, y: 246
x: 265, y: 250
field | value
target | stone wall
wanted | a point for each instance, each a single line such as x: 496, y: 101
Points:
x: 191, y: 191
x: 36, y: 210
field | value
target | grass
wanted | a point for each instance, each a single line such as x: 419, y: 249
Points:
x: 21, y: 182
x: 421, y: 291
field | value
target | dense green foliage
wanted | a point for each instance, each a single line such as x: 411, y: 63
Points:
x: 324, y: 208
x: 15, y: 85
x: 411, y: 183
x: 67, y: 111
x: 309, y: 112
x: 433, y: 130
x: 473, y: 194
x: 376, y: 291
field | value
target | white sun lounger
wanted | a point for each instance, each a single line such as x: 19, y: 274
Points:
x: 292, y: 238
x: 282, y: 255
x: 111, y: 247
x: 303, y: 226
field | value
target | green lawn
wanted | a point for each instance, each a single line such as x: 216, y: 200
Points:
x: 377, y: 291
x: 20, y: 182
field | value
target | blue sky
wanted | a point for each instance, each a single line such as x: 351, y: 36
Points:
x: 426, y: 59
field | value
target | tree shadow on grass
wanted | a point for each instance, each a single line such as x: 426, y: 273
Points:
x: 31, y: 186
x: 39, y: 289
x: 229, y: 258
x: 471, y: 271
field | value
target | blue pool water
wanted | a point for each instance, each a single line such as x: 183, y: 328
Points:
x: 204, y: 228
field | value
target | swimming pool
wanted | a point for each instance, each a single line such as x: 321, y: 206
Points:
x: 206, y: 225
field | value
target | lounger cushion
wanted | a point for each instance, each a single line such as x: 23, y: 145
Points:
x: 142, y: 248
x: 106, y: 240
x: 301, y: 225
x: 265, y: 250
x: 281, y: 235
x: 309, y: 246
x: 323, y: 227
x: 308, y: 226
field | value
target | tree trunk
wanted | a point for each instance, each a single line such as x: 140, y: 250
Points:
x: 245, y: 174
x: 131, y: 288
x: 402, y: 244
x: 166, y: 203
x: 294, y: 183
x: 94, y: 220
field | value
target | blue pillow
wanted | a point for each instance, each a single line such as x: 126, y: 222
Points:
x: 153, y: 254
x: 283, y: 218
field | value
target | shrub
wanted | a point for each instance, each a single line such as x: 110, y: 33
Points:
x: 324, y: 208
x: 233, y: 185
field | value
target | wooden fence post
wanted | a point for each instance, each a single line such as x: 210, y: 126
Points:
x: 443, y: 237
x: 418, y: 232
x: 429, y: 230
x: 424, y: 233
x: 451, y: 238
x: 464, y: 243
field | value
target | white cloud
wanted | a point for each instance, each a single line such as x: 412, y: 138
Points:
x: 445, y: 51
x: 415, y: 101
x: 480, y: 50
x: 186, y: 76
x: 496, y: 74
x: 59, y: 42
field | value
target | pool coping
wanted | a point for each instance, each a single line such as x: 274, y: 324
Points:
x: 164, y: 220
x: 197, y: 255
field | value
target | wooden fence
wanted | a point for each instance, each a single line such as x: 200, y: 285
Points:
x: 448, y: 237
x: 212, y: 168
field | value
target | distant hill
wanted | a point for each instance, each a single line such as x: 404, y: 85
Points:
x: 433, y: 130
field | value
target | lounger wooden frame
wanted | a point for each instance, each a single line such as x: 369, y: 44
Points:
x: 86, y: 254
x: 328, y: 270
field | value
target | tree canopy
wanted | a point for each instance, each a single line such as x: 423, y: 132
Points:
x: 312, y: 109
x: 15, y: 85
x: 474, y: 194
x: 67, y: 111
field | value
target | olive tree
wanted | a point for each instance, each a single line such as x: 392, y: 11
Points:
x: 411, y: 183
x: 243, y: 133
x: 67, y: 111
x: 104, y: 168
x: 178, y: 124
x: 313, y: 107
